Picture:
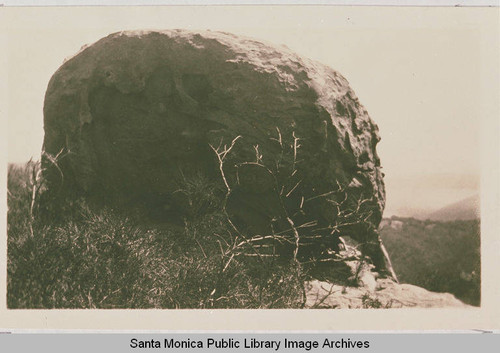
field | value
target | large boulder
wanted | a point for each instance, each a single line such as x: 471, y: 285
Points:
x: 137, y: 115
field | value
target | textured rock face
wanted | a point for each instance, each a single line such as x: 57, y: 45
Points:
x: 141, y: 112
x: 388, y: 294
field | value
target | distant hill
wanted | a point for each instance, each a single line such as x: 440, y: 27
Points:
x: 466, y: 209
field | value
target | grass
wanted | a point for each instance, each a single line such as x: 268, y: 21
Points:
x: 99, y: 257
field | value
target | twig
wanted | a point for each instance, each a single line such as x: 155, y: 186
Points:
x: 221, y: 156
x: 330, y: 292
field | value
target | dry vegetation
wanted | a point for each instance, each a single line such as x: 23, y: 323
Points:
x: 93, y: 257
x: 73, y: 253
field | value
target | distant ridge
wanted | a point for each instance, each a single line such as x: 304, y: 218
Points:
x: 462, y: 210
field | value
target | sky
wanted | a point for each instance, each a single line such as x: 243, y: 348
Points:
x: 420, y: 73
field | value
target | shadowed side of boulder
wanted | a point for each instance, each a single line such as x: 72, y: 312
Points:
x: 136, y: 114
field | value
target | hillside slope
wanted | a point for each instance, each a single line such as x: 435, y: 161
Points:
x: 439, y: 256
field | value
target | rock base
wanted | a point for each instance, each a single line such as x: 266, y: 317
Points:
x: 387, y: 294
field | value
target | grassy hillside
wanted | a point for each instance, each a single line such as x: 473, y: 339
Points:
x: 83, y: 256
x: 439, y: 256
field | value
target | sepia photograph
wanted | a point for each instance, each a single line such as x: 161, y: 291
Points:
x: 258, y: 157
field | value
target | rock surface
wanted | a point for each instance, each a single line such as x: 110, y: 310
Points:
x: 388, y: 294
x: 138, y: 113
x: 360, y: 286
